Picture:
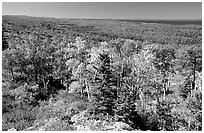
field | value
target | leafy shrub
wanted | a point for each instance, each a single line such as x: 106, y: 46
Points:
x: 19, y: 118
x: 62, y: 107
x: 55, y: 124
x: 150, y: 121
x: 19, y: 107
x: 164, y: 115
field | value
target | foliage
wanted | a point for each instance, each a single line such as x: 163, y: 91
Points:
x: 118, y: 72
x: 105, y: 94
x: 190, y: 60
x: 19, y: 118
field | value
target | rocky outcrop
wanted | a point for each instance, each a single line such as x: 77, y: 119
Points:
x: 12, y: 129
x: 82, y: 123
x: 121, y: 126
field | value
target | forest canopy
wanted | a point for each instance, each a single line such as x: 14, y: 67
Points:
x: 88, y: 75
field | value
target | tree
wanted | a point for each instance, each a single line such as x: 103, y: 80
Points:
x: 105, y: 94
x: 190, y: 62
x: 32, y: 60
x: 76, y: 56
x: 4, y: 42
x: 164, y: 62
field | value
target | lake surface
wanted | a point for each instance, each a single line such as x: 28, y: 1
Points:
x: 176, y: 22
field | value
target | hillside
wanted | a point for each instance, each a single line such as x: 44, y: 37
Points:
x: 100, y: 75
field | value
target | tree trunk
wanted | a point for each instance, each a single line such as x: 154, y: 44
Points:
x: 194, y: 74
x: 88, y: 90
x: 164, y: 90
x: 67, y: 88
x: 164, y: 93
x: 81, y: 92
x: 35, y: 70
x: 194, y: 80
x: 164, y: 124
x: 45, y: 83
x: 169, y: 83
x: 191, y: 89
x: 141, y: 97
x: 189, y: 124
x: 36, y: 76
x: 164, y: 84
x: 12, y: 75
x: 67, y: 83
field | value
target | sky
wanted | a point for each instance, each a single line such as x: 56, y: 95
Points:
x: 106, y: 10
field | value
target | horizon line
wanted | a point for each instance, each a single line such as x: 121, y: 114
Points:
x: 145, y: 19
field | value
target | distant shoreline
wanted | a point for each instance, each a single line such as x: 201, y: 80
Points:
x: 175, y: 22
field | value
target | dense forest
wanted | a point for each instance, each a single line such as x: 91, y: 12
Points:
x: 100, y: 75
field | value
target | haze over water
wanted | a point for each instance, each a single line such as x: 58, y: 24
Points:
x: 107, y: 10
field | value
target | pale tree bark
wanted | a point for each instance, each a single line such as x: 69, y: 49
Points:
x: 164, y: 90
x: 45, y: 83
x: 12, y: 75
x: 169, y: 83
x: 141, y: 95
x: 81, y: 91
x: 191, y: 93
x: 164, y: 94
x: 88, y: 90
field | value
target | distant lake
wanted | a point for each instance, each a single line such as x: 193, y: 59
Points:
x: 176, y: 22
